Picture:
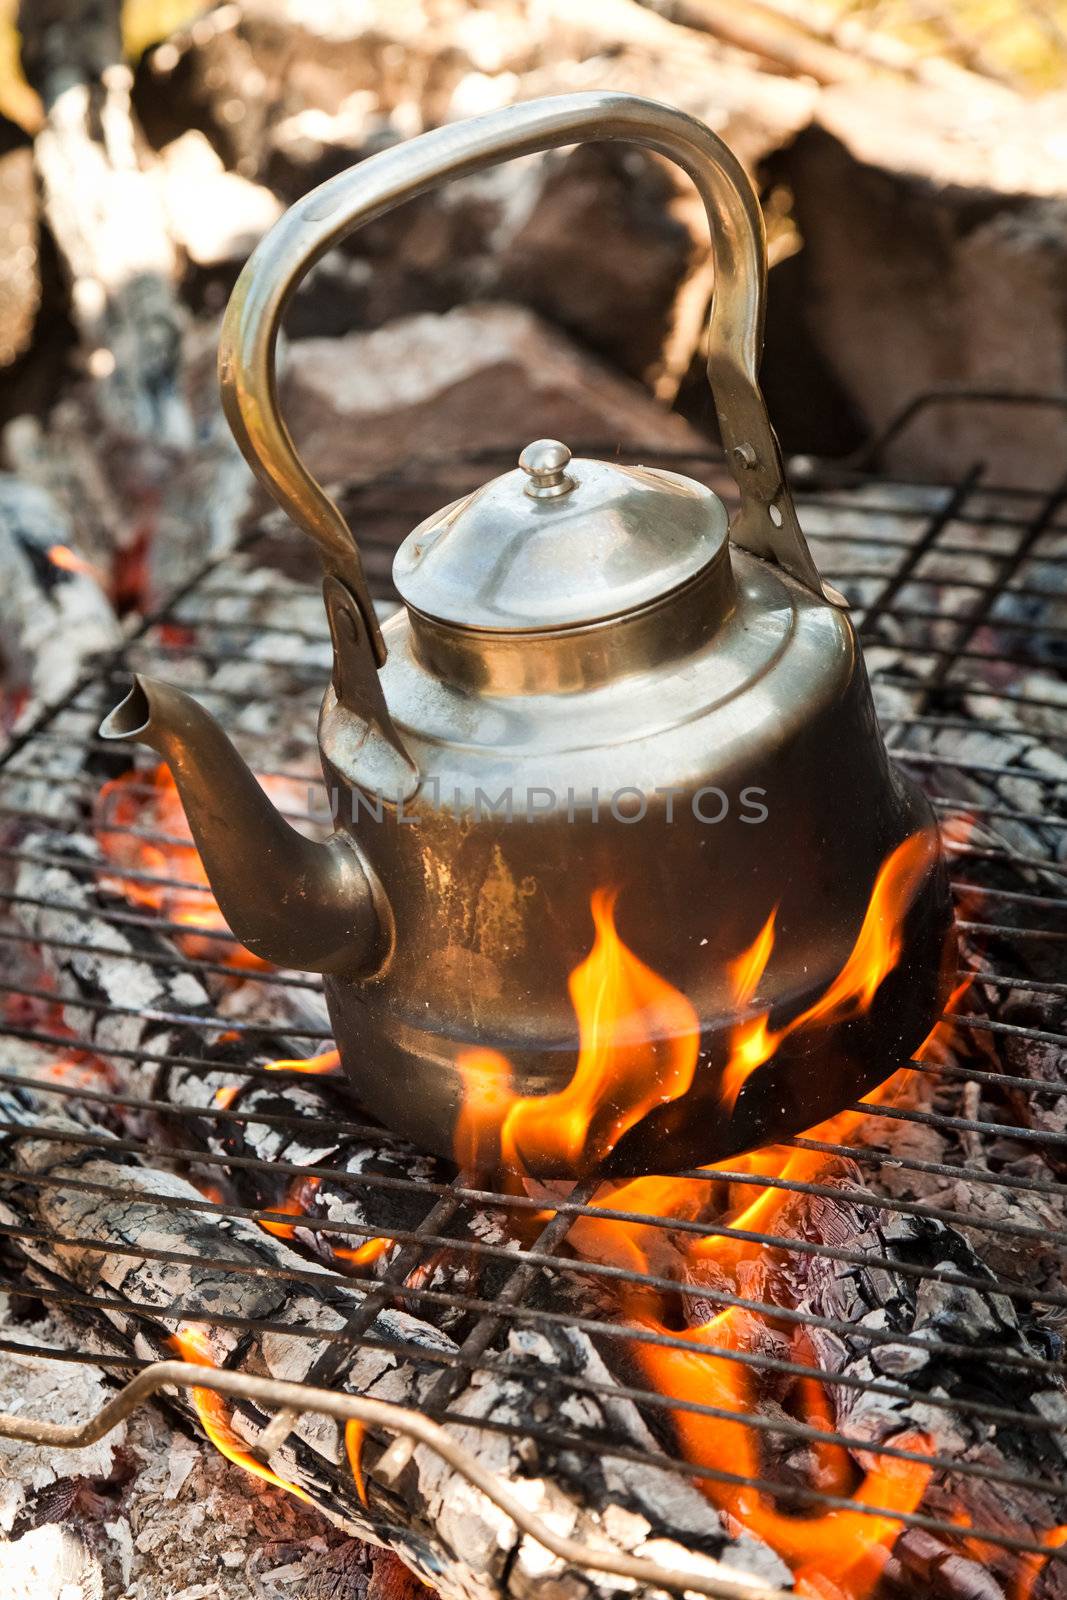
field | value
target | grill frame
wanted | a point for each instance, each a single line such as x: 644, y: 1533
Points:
x: 1023, y: 520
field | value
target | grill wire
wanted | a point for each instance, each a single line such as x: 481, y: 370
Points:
x: 960, y: 570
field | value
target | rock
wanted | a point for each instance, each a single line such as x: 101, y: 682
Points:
x: 217, y: 217
x: 600, y: 240
x: 479, y: 377
x: 934, y: 259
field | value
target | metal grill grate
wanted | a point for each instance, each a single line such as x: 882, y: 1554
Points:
x: 956, y: 590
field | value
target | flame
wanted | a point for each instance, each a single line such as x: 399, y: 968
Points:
x: 150, y: 800
x: 847, y: 1547
x: 841, y: 1548
x: 874, y: 955
x: 61, y: 555
x: 638, y: 1039
x: 354, y: 1435
x: 192, y: 1345
x: 294, y: 1204
x: 362, y: 1255
x: 297, y: 1203
x: 328, y: 1061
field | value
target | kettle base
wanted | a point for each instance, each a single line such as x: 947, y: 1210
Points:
x: 816, y: 1073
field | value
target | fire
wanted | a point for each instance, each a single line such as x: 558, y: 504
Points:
x: 149, y: 800
x: 328, y: 1061
x: 838, y: 1552
x: 638, y: 1043
x: 364, y: 1254
x: 639, y: 1037
x: 874, y: 955
x: 638, y: 1048
x: 846, y: 1547
x: 297, y: 1203
x: 192, y: 1345
x: 354, y: 1432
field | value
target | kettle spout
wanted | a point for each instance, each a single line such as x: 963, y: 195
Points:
x: 291, y: 901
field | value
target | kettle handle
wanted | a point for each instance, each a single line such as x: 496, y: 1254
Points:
x: 766, y: 523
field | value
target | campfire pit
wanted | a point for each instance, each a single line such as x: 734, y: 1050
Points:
x: 835, y: 1365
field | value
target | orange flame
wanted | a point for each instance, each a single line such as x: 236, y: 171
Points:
x: 295, y: 1204
x: 150, y: 800
x: 354, y: 1435
x: 874, y: 955
x: 192, y: 1345
x: 638, y: 1043
x: 847, y: 1547
x: 843, y: 1548
x: 328, y: 1061
x: 362, y: 1255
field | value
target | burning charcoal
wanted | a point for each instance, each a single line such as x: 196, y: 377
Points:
x: 145, y: 1295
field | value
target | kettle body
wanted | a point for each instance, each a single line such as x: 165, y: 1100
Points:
x: 623, y: 879
x: 741, y: 778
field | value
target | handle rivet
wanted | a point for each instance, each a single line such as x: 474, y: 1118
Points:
x: 544, y: 463
x: 745, y: 456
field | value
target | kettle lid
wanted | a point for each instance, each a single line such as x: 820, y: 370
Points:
x: 558, y: 543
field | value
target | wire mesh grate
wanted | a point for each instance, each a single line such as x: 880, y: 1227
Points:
x: 958, y: 594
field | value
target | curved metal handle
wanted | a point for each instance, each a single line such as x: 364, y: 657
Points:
x: 767, y: 522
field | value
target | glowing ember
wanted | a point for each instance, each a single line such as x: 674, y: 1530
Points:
x: 874, y: 955
x: 192, y: 1345
x: 149, y: 801
x: 61, y: 555
x: 1032, y: 1566
x: 638, y: 1043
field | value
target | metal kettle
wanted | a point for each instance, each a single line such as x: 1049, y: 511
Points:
x: 623, y: 879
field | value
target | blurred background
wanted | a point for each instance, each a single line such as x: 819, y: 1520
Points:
x: 911, y: 157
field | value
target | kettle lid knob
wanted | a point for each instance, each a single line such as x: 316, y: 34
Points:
x: 544, y: 463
